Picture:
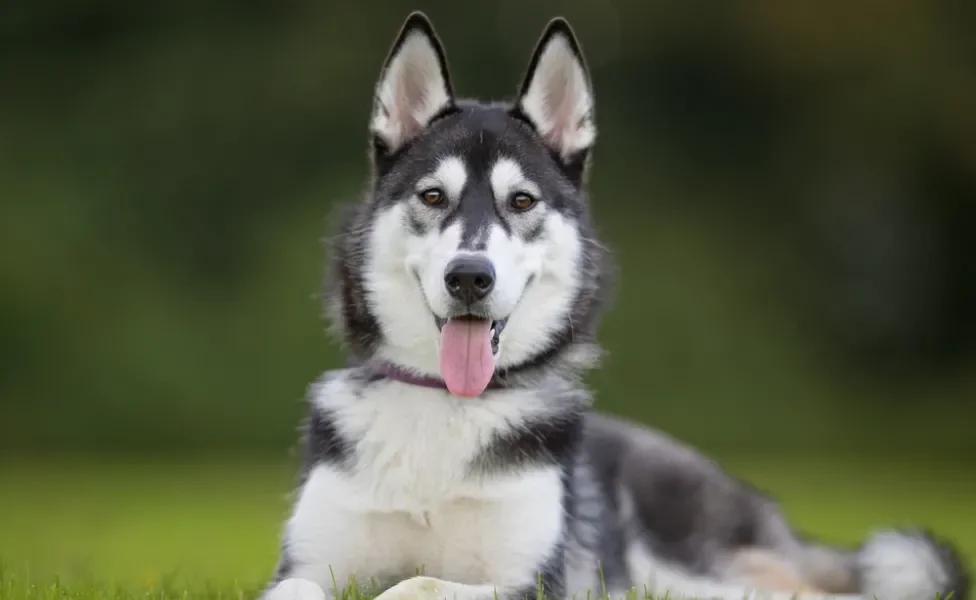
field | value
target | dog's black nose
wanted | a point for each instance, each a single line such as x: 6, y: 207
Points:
x: 469, y: 278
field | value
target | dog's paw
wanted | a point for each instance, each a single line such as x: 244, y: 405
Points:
x: 417, y: 588
x: 296, y: 589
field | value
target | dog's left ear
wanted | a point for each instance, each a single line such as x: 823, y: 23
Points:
x: 413, y: 88
x: 556, y: 96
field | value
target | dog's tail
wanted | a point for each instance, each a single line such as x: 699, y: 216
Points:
x: 904, y: 564
x: 682, y: 514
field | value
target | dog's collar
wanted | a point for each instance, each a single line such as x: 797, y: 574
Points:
x: 388, y: 370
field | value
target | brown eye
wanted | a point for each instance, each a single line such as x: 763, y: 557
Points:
x: 522, y: 201
x: 432, y: 197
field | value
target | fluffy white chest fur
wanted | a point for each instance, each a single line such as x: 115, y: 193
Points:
x: 409, y: 502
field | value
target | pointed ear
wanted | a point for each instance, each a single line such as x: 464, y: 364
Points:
x: 413, y: 88
x: 556, y: 95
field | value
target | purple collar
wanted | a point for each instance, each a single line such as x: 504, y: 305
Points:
x: 383, y: 369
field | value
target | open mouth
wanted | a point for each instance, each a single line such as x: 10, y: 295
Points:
x: 468, y: 347
x: 495, y: 328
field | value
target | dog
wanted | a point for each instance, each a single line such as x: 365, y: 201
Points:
x: 457, y: 457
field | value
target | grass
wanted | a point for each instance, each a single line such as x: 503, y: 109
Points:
x: 209, y: 529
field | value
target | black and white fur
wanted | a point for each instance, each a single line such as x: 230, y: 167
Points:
x: 522, y: 488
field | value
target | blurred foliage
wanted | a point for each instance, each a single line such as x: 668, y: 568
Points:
x: 790, y: 189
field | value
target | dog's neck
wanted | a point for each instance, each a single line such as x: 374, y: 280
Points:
x: 381, y: 369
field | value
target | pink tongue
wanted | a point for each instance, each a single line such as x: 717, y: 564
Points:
x: 466, y: 360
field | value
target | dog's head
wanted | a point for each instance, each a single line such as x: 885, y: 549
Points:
x: 472, y: 253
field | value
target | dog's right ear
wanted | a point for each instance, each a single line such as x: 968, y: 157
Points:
x: 413, y: 88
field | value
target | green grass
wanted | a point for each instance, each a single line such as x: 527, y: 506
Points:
x: 210, y: 529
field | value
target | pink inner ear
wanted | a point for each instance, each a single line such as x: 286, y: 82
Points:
x: 555, y: 137
x: 410, y: 95
x: 560, y: 96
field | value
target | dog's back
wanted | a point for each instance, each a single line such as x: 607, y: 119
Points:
x: 676, y: 507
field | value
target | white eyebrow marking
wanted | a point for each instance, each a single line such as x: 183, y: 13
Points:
x: 507, y: 177
x: 451, y: 174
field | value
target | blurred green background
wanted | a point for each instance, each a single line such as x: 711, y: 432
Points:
x: 790, y: 189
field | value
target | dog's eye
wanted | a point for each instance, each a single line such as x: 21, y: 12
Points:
x: 521, y: 201
x: 432, y: 197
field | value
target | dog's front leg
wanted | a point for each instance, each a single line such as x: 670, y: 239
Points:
x: 431, y: 588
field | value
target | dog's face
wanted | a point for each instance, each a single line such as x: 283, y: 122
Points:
x: 472, y: 251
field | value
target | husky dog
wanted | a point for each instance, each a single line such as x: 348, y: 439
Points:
x: 457, y: 457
